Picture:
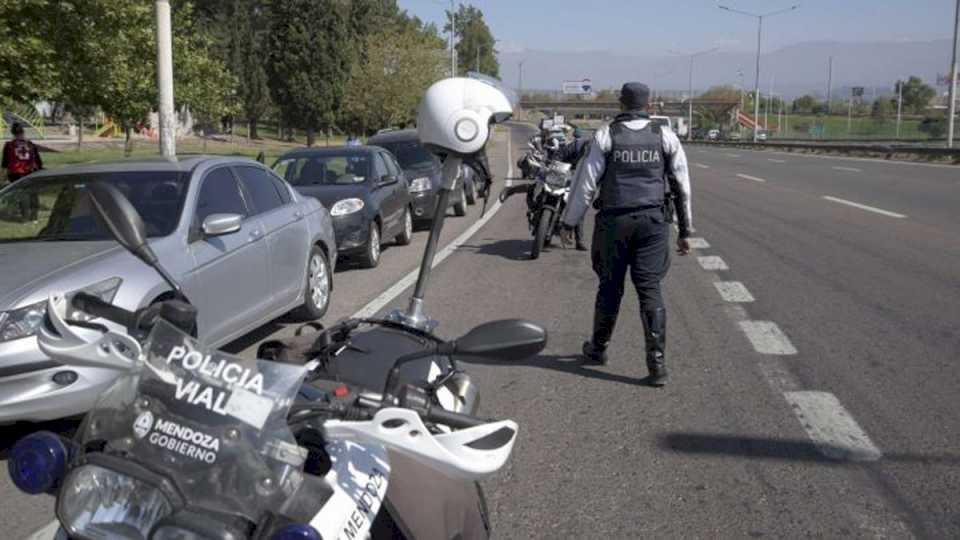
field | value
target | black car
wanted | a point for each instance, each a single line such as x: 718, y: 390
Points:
x: 423, y: 170
x: 364, y: 189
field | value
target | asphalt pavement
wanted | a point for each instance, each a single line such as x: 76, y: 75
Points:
x: 812, y: 342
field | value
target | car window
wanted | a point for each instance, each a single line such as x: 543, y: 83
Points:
x: 379, y: 168
x: 412, y: 155
x: 219, y: 194
x: 282, y: 188
x: 392, y: 167
x: 324, y: 169
x: 258, y: 185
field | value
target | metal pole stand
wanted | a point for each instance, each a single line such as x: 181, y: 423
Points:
x: 414, y: 316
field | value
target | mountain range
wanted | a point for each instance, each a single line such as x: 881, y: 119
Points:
x: 793, y: 70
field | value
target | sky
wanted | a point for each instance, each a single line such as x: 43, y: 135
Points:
x: 685, y: 26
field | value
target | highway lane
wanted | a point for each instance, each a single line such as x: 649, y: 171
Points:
x: 820, y: 408
x: 928, y: 193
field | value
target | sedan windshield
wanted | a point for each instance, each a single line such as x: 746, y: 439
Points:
x: 343, y: 169
x: 58, y: 208
x: 412, y: 155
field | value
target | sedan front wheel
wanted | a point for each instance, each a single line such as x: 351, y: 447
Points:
x: 319, y: 284
x: 371, y: 255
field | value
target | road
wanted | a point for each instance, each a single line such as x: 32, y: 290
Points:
x: 812, y: 347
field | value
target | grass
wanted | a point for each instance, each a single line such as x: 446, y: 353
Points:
x: 835, y: 127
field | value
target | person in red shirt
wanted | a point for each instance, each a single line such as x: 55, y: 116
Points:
x: 20, y: 156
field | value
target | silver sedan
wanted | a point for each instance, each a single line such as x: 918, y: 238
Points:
x: 246, y: 247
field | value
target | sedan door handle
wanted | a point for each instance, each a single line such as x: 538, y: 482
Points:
x: 255, y: 235
x: 298, y: 215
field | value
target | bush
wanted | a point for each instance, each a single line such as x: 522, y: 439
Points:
x: 935, y: 128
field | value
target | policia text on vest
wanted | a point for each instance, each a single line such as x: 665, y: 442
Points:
x: 629, y: 168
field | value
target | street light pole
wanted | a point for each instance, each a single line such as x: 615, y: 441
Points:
x: 690, y: 90
x: 520, y: 84
x: 756, y: 86
x: 899, y: 106
x: 453, y: 39
x: 165, y: 116
x: 953, y: 78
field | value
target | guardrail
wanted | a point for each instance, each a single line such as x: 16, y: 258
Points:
x: 868, y: 149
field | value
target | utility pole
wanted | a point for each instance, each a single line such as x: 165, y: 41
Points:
x: 453, y: 39
x: 690, y: 90
x: 952, y: 109
x: 756, y: 86
x: 829, y: 84
x: 899, y: 106
x: 165, y: 113
x: 520, y: 69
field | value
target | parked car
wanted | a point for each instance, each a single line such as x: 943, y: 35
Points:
x: 423, y: 170
x: 733, y: 136
x: 713, y: 135
x: 364, y: 189
x: 245, y: 246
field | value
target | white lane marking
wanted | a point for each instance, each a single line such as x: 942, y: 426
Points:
x: 712, y: 262
x: 777, y: 160
x: 748, y: 177
x: 767, y: 338
x: 701, y: 165
x: 698, y: 243
x: 732, y: 155
x: 865, y: 207
x: 406, y: 281
x: 834, y: 431
x: 733, y: 291
x: 47, y: 532
x: 848, y: 169
x: 860, y: 160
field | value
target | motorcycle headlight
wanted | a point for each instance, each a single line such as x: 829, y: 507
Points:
x: 346, y: 206
x: 96, y: 503
x: 25, y: 321
x: 556, y: 180
x: 420, y: 184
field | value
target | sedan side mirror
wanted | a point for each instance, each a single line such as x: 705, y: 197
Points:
x: 221, y: 224
x: 388, y: 179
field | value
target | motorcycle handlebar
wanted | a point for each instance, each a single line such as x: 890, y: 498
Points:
x: 104, y: 310
x: 437, y: 415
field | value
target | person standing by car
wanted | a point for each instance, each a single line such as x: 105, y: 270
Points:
x: 628, y: 163
x: 20, y: 156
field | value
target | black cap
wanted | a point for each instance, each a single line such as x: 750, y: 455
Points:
x: 634, y: 96
x: 16, y: 128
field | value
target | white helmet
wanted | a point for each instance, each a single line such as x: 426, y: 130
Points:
x: 455, y: 115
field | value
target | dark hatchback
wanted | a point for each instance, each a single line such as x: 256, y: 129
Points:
x: 365, y: 191
x: 423, y: 170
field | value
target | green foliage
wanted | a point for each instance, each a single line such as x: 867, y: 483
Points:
x: 916, y: 94
x: 805, y: 104
x: 474, y: 41
x: 882, y: 108
x: 308, y: 61
x: 386, y: 85
x: 27, y: 57
x: 935, y: 128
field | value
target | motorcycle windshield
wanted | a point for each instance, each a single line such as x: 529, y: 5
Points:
x: 212, y: 424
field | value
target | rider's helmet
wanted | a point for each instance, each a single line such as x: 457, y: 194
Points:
x: 456, y: 114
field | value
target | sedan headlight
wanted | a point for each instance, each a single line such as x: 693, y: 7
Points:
x: 24, y: 322
x: 420, y: 184
x: 96, y: 502
x: 346, y: 206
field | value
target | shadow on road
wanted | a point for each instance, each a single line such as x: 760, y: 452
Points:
x: 9, y: 435
x: 513, y: 249
x: 572, y: 364
x: 778, y: 449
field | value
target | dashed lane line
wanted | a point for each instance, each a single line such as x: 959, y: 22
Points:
x: 832, y: 429
x: 733, y: 291
x: 406, y: 281
x: 712, y: 262
x: 865, y: 207
x: 767, y: 338
x: 732, y: 155
x: 848, y: 169
x: 701, y: 165
x: 748, y: 177
x: 776, y: 160
x: 698, y: 243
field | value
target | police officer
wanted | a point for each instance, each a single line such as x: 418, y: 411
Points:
x: 629, y: 162
x: 572, y: 152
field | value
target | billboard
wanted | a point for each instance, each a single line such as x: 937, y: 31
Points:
x: 577, y: 88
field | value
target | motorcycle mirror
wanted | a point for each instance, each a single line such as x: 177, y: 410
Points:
x: 115, y: 212
x: 510, y: 339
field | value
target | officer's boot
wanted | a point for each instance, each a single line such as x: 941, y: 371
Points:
x: 655, y: 334
x: 595, y: 350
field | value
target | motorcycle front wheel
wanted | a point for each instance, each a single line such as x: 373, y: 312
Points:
x: 544, y: 228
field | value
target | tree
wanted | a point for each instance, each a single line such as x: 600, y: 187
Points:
x: 475, y: 41
x: 714, y: 115
x: 881, y: 108
x: 27, y: 58
x: 916, y: 94
x: 308, y: 57
x: 385, y: 87
x: 805, y: 104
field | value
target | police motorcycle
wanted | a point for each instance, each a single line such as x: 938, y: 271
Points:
x: 195, y: 444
